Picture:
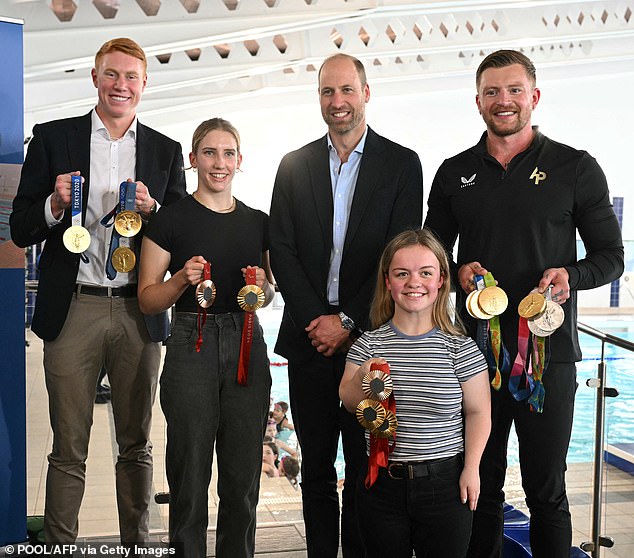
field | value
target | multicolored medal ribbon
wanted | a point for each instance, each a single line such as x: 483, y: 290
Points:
x: 127, y: 223
x: 76, y: 238
x: 540, y: 316
x: 205, y: 296
x: 250, y: 298
x: 485, y: 304
x: 377, y: 414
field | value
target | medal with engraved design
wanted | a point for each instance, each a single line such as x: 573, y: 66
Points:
x: 206, y: 290
x: 474, y: 308
x: 76, y: 239
x: 370, y: 413
x: 492, y: 300
x: 127, y: 223
x: 548, y: 321
x: 377, y: 385
x: 251, y: 298
x: 123, y: 259
x: 387, y: 428
x: 532, y: 305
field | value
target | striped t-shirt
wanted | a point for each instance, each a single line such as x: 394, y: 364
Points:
x: 426, y: 371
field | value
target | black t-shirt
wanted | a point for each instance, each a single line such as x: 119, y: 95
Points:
x: 229, y: 241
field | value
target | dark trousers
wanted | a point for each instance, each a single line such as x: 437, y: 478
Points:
x: 423, y: 514
x: 543, y: 445
x: 319, y: 418
x: 205, y: 406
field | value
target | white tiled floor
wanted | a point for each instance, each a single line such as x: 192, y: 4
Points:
x: 279, y: 502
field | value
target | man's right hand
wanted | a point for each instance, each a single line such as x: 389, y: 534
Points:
x: 61, y: 197
x: 467, y: 272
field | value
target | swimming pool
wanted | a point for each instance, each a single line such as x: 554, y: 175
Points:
x: 620, y: 375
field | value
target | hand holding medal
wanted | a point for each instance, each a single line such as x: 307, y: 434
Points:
x: 543, y: 315
x: 377, y: 414
x: 485, y: 304
x: 205, y: 296
x: 76, y: 238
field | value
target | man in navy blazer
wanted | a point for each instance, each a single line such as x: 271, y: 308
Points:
x: 85, y: 318
x: 336, y: 202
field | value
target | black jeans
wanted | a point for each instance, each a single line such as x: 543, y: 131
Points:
x: 543, y: 445
x: 205, y: 407
x: 319, y: 417
x: 424, y: 514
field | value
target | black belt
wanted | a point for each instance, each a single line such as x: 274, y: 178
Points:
x: 420, y: 469
x: 126, y: 291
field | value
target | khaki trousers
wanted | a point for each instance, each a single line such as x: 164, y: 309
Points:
x: 100, y: 331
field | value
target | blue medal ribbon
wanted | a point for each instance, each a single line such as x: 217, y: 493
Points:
x: 127, y: 195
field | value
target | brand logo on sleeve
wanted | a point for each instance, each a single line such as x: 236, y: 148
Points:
x: 538, y: 176
x: 466, y: 182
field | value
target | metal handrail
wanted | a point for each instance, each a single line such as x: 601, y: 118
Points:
x: 598, y: 540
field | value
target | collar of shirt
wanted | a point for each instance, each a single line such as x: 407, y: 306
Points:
x: 97, y: 126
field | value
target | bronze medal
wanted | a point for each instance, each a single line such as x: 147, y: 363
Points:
x: 387, y: 428
x: 370, y: 414
x: 251, y: 298
x: 205, y: 293
x: 493, y: 300
x: 532, y: 305
x: 76, y: 239
x: 123, y: 259
x: 127, y: 223
x: 377, y: 385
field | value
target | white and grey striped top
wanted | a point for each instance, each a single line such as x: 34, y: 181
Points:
x: 427, y: 371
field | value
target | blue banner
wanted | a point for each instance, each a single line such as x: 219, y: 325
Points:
x: 12, y: 338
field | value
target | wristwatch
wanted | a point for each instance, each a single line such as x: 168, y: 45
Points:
x: 346, y: 322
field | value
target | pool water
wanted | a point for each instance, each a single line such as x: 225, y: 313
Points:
x: 619, y: 417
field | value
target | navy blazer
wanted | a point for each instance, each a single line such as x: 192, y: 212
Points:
x: 60, y: 147
x: 388, y: 199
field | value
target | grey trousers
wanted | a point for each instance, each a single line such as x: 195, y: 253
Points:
x: 100, y: 331
x: 205, y: 407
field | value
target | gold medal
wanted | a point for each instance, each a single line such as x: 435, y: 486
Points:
x: 123, y: 259
x: 387, y: 428
x: 474, y: 308
x: 370, y: 414
x: 532, y: 305
x: 493, y: 300
x: 251, y: 298
x: 127, y: 223
x: 205, y: 293
x: 377, y: 385
x: 76, y: 239
x: 550, y: 319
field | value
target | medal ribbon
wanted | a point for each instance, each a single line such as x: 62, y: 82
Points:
x: 76, y: 206
x: 499, y: 355
x: 536, y: 400
x: 127, y: 195
x: 247, y: 335
x: 201, y: 316
x: 380, y: 448
x: 521, y: 381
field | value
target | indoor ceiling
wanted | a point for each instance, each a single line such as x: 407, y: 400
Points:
x: 207, y: 51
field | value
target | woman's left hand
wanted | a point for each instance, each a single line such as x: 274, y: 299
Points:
x: 470, y: 487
